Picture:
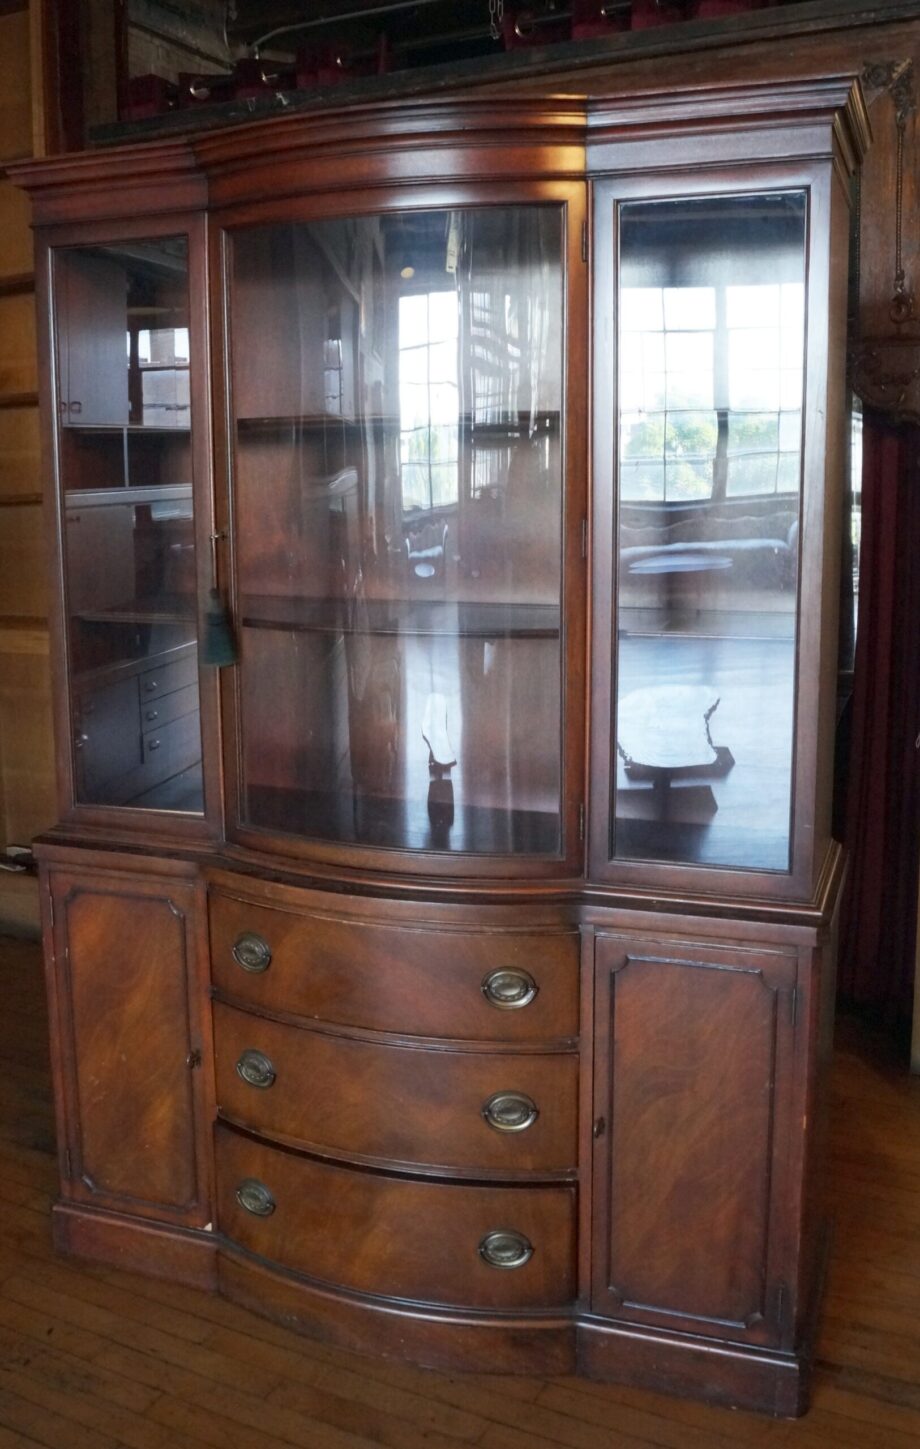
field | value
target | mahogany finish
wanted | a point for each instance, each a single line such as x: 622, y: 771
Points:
x: 426, y: 980
x: 373, y: 1101
x: 497, y: 1098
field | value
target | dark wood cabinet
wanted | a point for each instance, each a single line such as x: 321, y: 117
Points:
x: 128, y: 1043
x: 449, y: 972
x: 694, y: 1045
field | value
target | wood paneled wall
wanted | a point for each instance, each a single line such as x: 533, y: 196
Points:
x: 26, y: 752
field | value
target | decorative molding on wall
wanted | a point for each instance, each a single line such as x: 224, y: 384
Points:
x: 885, y: 370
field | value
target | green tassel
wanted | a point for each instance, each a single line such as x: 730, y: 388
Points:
x: 218, y: 646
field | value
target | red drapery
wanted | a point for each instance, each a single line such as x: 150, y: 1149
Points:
x: 882, y: 831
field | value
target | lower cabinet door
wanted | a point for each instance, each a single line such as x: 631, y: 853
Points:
x: 694, y: 1219
x: 449, y: 1243
x: 122, y: 990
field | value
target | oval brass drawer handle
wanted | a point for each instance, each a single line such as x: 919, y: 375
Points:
x: 505, y: 1248
x: 256, y: 1069
x: 508, y: 988
x: 252, y: 953
x: 510, y: 1111
x: 253, y: 1196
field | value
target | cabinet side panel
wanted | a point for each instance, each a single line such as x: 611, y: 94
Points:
x: 692, y: 1084
x: 127, y: 970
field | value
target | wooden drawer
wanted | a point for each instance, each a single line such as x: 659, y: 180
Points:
x: 402, y: 1104
x: 174, y: 747
x: 157, y: 682
x: 160, y: 711
x: 421, y: 1241
x: 415, y: 981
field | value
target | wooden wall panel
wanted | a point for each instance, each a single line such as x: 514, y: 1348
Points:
x: 26, y: 737
x: 18, y: 349
x: 15, y: 230
x: 23, y: 588
x: 20, y: 453
x: 15, y: 86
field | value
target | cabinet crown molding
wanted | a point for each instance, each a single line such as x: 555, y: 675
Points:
x: 424, y: 142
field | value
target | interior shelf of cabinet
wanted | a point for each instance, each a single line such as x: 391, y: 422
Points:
x: 165, y: 609
x: 126, y: 493
x: 401, y: 823
x: 110, y: 429
x: 402, y: 617
x: 304, y: 422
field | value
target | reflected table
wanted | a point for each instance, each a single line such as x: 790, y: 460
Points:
x: 662, y: 736
x: 690, y: 568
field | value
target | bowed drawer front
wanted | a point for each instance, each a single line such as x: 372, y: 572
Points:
x: 485, y: 985
x: 447, y: 1243
x: 493, y: 1111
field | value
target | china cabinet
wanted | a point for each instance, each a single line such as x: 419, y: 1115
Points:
x: 451, y: 974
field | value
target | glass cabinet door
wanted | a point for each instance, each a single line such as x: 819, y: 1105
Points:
x: 124, y: 437
x: 710, y: 340
x: 397, y: 400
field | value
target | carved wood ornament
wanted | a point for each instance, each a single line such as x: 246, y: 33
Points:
x: 885, y: 371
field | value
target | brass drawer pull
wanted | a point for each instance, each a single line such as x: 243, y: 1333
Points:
x: 509, y: 988
x: 252, y: 953
x: 505, y: 1248
x: 256, y: 1069
x: 510, y: 1111
x: 254, y: 1197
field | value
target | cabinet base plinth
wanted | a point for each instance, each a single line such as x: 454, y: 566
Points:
x: 158, y: 1250
x: 447, y: 1339
x: 719, y: 1373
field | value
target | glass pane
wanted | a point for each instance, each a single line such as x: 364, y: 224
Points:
x: 129, y: 544
x: 398, y: 548
x: 711, y: 365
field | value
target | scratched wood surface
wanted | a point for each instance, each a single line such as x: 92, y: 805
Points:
x: 96, y: 1359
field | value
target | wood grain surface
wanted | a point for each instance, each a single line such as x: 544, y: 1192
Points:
x: 100, y: 1359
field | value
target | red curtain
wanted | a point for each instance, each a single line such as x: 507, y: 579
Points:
x: 882, y: 821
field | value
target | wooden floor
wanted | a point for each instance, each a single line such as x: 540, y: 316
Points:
x: 91, y: 1359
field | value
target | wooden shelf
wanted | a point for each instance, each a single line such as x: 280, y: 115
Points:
x: 307, y: 421
x: 132, y: 494
x: 403, y: 617
x: 133, y: 429
x: 170, y: 609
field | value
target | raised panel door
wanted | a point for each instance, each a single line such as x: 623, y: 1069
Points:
x: 123, y: 977
x: 692, y: 1119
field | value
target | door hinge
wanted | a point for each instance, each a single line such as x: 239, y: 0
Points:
x: 584, y: 241
x: 600, y: 1127
x: 51, y: 909
x: 193, y: 1059
x: 584, y: 538
x: 794, y: 1005
x: 68, y: 1164
x: 780, y: 1304
x: 581, y: 821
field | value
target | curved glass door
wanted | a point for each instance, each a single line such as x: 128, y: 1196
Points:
x: 711, y: 350
x: 397, y: 402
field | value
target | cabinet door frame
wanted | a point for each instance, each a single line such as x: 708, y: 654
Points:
x: 820, y: 511
x: 60, y: 887
x: 779, y: 974
x: 124, y: 821
x: 571, y: 196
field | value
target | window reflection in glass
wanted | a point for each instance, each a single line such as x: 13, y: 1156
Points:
x: 398, y: 500
x: 711, y: 316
